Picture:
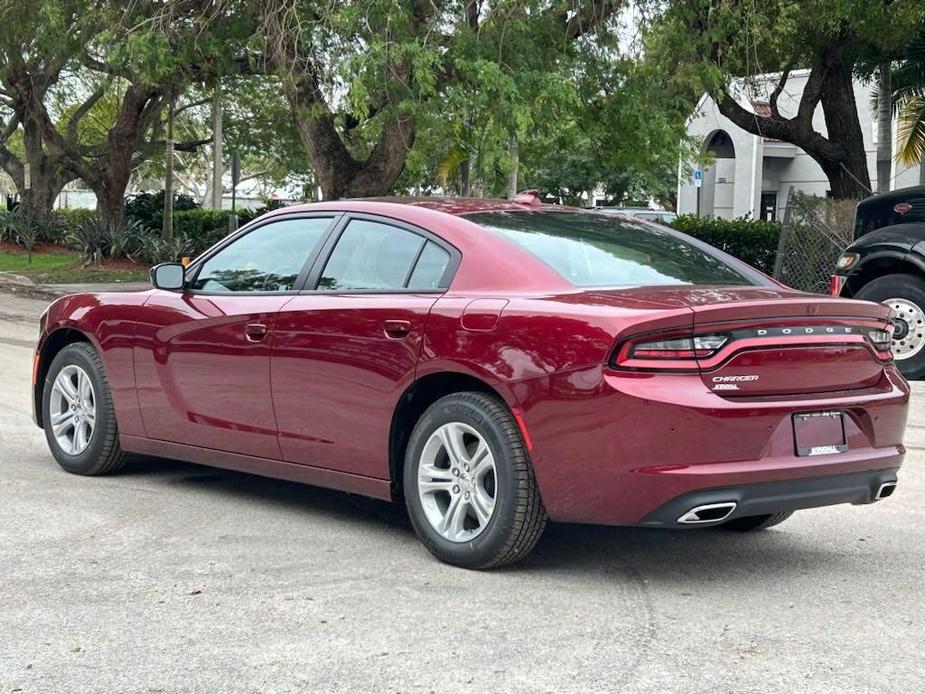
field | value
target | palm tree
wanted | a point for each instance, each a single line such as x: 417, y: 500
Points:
x: 908, y: 86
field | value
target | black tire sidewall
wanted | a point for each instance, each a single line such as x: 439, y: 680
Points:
x: 84, y: 463
x: 899, y: 286
x: 491, y: 541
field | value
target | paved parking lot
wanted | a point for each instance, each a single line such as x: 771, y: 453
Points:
x: 178, y: 578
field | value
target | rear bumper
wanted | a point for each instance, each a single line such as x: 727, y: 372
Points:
x: 615, y: 449
x: 774, y: 497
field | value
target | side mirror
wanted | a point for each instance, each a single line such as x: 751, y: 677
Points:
x: 168, y: 276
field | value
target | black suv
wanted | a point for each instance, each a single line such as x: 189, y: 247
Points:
x: 886, y: 263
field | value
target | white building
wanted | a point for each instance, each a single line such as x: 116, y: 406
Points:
x: 752, y: 175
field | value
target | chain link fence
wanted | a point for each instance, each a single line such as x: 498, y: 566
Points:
x: 813, y: 235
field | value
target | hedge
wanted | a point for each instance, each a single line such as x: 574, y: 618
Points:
x: 751, y: 240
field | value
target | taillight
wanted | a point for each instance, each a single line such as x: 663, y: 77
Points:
x: 680, y: 348
x: 836, y: 282
x: 669, y: 352
x: 882, y: 342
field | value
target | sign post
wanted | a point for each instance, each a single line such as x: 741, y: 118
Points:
x: 698, y: 183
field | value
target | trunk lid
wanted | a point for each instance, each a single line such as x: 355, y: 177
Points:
x: 779, y: 341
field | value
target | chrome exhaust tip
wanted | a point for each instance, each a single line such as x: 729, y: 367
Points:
x: 886, y: 489
x: 708, y: 513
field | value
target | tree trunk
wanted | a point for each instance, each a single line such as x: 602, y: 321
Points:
x: 342, y: 176
x: 110, y: 206
x: 512, y: 174
x: 840, y: 152
x: 465, y: 186
x: 216, y: 200
x: 847, y: 171
x: 46, y: 178
x: 884, y: 128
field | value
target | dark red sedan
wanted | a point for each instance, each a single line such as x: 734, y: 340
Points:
x: 492, y: 363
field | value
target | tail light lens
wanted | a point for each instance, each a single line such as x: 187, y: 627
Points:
x: 679, y: 348
x: 668, y: 352
x: 882, y: 342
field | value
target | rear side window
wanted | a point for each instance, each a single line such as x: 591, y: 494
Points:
x: 372, y: 256
x: 430, y: 268
x: 594, y: 250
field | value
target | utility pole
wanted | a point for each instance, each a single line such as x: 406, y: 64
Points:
x: 167, y: 229
x: 217, y: 147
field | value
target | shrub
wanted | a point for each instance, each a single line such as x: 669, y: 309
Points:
x: 94, y: 240
x: 148, y: 208
x: 160, y: 250
x: 751, y: 240
x: 88, y: 237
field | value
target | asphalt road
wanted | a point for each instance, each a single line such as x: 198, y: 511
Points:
x: 177, y: 578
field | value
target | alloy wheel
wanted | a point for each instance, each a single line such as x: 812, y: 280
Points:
x: 72, y: 409
x: 457, y: 482
x: 909, y: 328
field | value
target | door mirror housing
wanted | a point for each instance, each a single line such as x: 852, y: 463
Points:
x: 171, y: 276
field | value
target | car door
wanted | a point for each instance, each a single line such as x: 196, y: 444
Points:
x: 346, y: 347
x: 202, y: 359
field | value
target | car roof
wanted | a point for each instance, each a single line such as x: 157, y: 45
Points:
x: 492, y: 262
x: 449, y: 205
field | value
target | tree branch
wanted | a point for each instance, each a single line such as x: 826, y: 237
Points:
x: 83, y: 110
x: 772, y: 100
x: 588, y: 17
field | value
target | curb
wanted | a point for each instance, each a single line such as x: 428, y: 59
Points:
x: 12, y: 283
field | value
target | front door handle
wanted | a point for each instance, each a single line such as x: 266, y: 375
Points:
x: 255, y: 332
x: 397, y: 329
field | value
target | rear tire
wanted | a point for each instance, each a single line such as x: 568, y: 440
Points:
x: 752, y: 523
x: 469, y: 486
x: 77, y: 413
x: 908, y: 293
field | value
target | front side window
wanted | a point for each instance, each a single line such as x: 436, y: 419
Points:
x: 594, y: 250
x: 267, y: 259
x: 372, y: 256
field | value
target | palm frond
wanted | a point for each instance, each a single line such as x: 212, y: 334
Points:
x: 911, y: 131
x: 448, y: 166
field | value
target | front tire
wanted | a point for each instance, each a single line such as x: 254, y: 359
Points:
x: 905, y: 294
x: 77, y: 413
x: 469, y: 486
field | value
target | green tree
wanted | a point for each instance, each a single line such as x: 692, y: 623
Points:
x: 718, y: 44
x: 35, y: 48
x: 125, y: 60
x: 363, y: 77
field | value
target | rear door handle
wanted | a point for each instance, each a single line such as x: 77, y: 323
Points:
x: 255, y: 332
x: 397, y: 329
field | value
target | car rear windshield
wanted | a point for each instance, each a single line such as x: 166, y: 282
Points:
x: 594, y: 250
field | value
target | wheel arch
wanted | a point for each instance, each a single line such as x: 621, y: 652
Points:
x: 420, y: 395
x: 56, y: 340
x: 881, y: 264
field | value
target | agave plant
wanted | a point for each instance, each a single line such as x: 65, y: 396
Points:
x: 15, y: 226
x: 127, y: 239
x: 160, y: 250
x: 89, y: 237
